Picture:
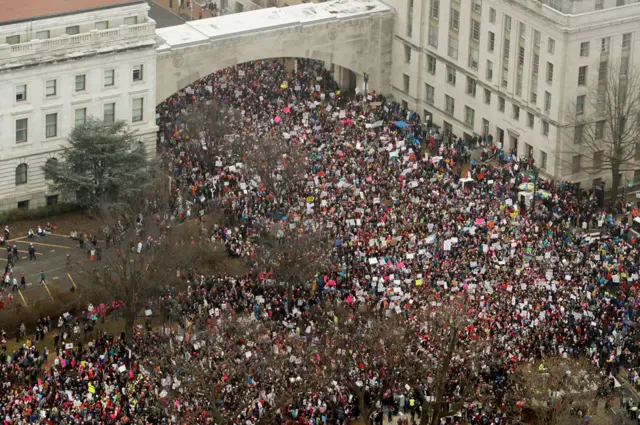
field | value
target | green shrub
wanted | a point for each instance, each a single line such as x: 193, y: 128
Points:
x: 36, y: 213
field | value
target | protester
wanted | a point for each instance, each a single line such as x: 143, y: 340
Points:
x: 403, y: 224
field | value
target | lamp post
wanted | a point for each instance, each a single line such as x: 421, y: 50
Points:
x: 366, y: 83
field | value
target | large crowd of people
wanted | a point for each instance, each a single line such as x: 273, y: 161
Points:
x: 408, y: 214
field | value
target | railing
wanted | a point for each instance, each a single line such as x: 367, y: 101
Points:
x: 60, y: 45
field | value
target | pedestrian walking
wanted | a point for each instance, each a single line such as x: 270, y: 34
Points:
x: 43, y: 278
x: 32, y: 252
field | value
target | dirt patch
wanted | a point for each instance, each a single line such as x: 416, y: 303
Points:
x: 65, y: 223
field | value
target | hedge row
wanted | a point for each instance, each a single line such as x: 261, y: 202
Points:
x: 36, y: 213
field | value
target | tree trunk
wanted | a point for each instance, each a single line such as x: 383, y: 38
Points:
x: 442, y: 376
x: 129, y: 320
x: 615, y: 183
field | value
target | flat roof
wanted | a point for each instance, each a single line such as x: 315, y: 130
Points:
x: 267, y: 19
x: 14, y: 11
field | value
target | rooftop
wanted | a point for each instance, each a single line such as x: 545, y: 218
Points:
x: 13, y: 11
x: 267, y: 19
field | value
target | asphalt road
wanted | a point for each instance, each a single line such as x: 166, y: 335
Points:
x: 51, y: 252
x: 162, y: 16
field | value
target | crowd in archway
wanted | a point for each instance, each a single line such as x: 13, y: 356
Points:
x: 408, y: 218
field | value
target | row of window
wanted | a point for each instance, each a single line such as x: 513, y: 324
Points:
x: 51, y: 88
x: 80, y: 117
x: 70, y: 30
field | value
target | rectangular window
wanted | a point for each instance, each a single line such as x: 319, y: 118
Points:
x: 620, y: 2
x: 602, y: 71
x: 580, y: 104
x: 21, y: 92
x: 487, y: 96
x: 109, y: 112
x: 604, y: 45
x: 471, y: 87
x: 530, y: 119
x: 50, y: 88
x: 451, y: 75
x: 536, y: 38
x: 43, y: 35
x: 547, y: 101
x: 536, y: 64
x: 474, y: 54
x: 453, y: 47
x: 102, y: 25
x: 132, y: 20
x: 599, y: 133
x: 137, y: 72
x: 507, y: 23
x: 516, y: 112
x: 137, y: 113
x: 584, y: 49
x: 469, y: 116
x: 551, y: 46
x: 477, y: 6
x: 489, y: 70
x: 549, y: 73
x: 576, y: 164
x: 521, y: 56
x: 406, y: 81
x: 475, y: 30
x: 454, y: 20
x: 109, y: 77
x: 624, y: 66
x: 73, y: 30
x: 626, y: 40
x: 582, y: 76
x: 492, y: 15
x: 430, y: 94
x: 449, y: 105
x: 13, y: 39
x: 409, y: 18
x: 491, y: 42
x: 522, y: 30
x: 51, y: 129
x: 22, y: 126
x: 433, y: 35
x: 407, y: 54
x: 519, y: 84
x: 543, y: 160
x: 599, y: 4
x: 435, y: 9
x: 501, y: 104
x: 431, y: 64
x: 597, y: 159
x: 80, y: 116
x: 81, y: 82
x: 578, y: 130
x: 545, y: 128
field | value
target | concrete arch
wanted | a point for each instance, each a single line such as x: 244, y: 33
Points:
x: 359, y: 41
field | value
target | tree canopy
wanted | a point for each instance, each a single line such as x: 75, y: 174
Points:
x: 102, y: 162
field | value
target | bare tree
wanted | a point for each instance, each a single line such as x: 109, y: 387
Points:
x: 558, y: 391
x: 144, y: 252
x: 605, y: 123
x: 239, y: 368
x: 363, y: 350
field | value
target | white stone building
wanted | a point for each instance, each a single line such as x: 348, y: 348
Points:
x: 511, y: 68
x: 75, y: 59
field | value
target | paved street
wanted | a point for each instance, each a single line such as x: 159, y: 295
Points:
x: 163, y: 16
x: 51, y: 254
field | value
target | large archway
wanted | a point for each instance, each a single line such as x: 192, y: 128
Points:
x: 358, y: 39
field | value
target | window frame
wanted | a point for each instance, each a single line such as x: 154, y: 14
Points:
x: 84, y: 83
x: 25, y: 130
x: 112, y: 105
x: 22, y: 174
x: 25, y: 94
x: 112, y: 74
x: 48, y: 126
x: 47, y: 88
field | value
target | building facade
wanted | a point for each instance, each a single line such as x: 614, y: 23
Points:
x: 513, y: 69
x: 60, y: 68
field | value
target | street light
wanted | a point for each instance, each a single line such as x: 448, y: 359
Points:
x: 366, y: 83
